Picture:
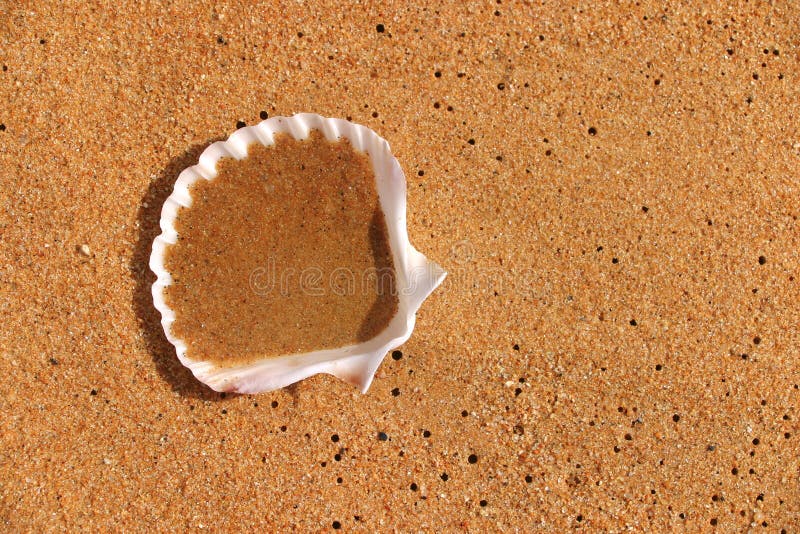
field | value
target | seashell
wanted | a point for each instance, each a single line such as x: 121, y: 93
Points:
x: 415, y: 276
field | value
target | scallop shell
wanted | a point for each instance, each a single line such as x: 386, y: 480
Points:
x: 416, y: 276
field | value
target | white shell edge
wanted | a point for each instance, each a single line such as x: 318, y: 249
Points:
x: 416, y: 276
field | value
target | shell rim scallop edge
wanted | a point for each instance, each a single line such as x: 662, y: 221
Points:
x: 416, y: 276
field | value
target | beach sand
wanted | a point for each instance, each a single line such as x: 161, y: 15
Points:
x: 613, y: 190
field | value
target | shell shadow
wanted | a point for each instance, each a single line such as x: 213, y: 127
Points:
x: 161, y: 350
x: 384, y: 304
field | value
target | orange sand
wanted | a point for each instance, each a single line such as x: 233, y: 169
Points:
x: 285, y: 251
x: 600, y: 181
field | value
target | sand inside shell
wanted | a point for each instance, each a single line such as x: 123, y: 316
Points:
x: 284, y: 252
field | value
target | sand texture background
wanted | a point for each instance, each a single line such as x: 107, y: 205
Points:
x: 614, y: 190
